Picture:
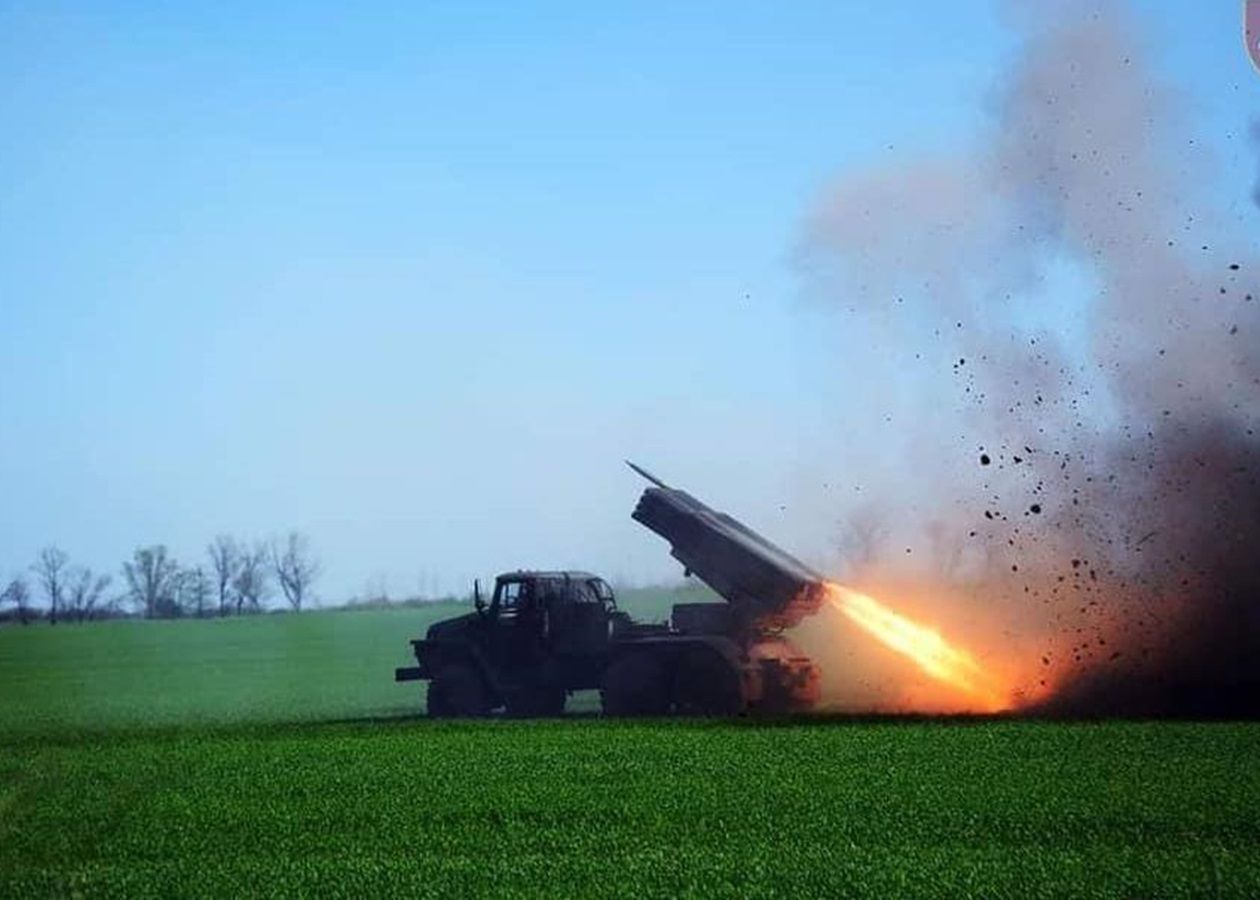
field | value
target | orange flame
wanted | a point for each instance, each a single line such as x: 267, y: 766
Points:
x: 925, y: 647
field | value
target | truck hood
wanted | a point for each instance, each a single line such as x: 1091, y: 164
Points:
x: 453, y: 628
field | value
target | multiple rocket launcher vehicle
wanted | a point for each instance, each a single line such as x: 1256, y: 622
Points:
x: 543, y: 635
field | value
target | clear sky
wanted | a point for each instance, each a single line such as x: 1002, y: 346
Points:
x: 415, y: 278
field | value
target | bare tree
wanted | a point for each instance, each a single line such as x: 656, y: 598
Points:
x: 152, y: 580
x: 295, y: 567
x: 194, y: 590
x: 50, y: 568
x: 84, y: 591
x: 250, y: 582
x: 19, y: 594
x: 225, y: 557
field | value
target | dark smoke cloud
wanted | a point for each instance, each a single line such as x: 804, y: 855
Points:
x: 1130, y: 439
x: 1201, y: 573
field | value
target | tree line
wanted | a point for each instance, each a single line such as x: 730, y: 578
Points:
x: 235, y: 578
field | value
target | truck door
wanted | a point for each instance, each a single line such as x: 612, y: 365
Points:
x: 529, y: 630
x: 517, y: 632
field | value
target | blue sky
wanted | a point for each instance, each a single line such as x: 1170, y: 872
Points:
x: 415, y: 278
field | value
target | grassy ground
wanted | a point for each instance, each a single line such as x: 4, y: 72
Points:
x: 172, y: 758
x: 596, y: 808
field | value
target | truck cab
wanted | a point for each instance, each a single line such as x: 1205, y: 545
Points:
x: 539, y: 636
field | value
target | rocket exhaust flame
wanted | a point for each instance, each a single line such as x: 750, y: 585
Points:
x: 934, y: 655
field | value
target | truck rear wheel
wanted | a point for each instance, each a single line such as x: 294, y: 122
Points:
x: 706, y: 684
x: 636, y: 685
x: 457, y: 692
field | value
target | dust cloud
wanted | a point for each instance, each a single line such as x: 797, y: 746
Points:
x: 1103, y: 394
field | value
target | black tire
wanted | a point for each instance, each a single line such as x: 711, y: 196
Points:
x: 458, y: 692
x: 706, y: 684
x: 536, y: 703
x: 636, y: 685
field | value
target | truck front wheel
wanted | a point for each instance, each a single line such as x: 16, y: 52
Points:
x: 457, y: 692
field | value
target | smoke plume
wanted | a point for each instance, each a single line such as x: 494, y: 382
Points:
x: 1106, y: 369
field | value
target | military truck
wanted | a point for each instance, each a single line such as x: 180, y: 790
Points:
x: 542, y: 635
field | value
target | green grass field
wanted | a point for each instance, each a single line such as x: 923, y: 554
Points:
x: 275, y: 756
